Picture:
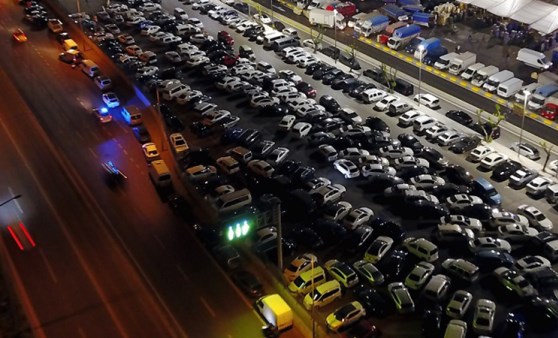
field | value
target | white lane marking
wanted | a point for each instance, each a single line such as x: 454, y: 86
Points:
x: 15, y: 201
x: 184, y: 275
x: 124, y: 151
x: 209, y: 309
x: 81, y: 332
x: 49, y: 267
x: 93, y: 153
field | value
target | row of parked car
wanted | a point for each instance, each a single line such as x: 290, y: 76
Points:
x: 268, y: 169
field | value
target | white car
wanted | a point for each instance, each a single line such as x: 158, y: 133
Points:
x: 375, y: 169
x: 337, y: 211
x: 263, y: 18
x: 353, y: 154
x: 384, y: 103
x: 410, y: 161
x: 515, y: 282
x: 351, y: 115
x: 448, y: 137
x: 347, y: 168
x: 286, y: 123
x: 330, y: 193
x: 461, y: 201
x: 310, y: 43
x: 409, y: 117
x: 277, y: 155
x: 133, y: 50
x: 398, y: 190
x: 290, y: 75
x: 316, y: 184
x: 368, y: 272
x: 55, y: 25
x: 538, y: 186
x: 532, y: 263
x: 535, y: 217
x: 328, y: 152
x: 261, y: 168
x: 395, y: 152
x: 300, y: 264
x: 516, y: 232
x: 357, y: 217
x: 188, y: 96
x: 505, y: 217
x: 221, y: 84
x: 178, y: 143
x: 489, y: 243
x: 150, y: 30
x: 490, y: 161
x: 196, y: 61
x: 480, y: 152
x: 103, y: 82
x: 158, y: 36
x: 459, y: 304
x: 428, y: 100
x: 147, y: 71
x: 263, y: 101
x: 378, y: 249
x: 463, y: 221
x: 420, y: 274
x: 483, y: 319
x: 150, y: 151
x: 301, y: 129
x: 111, y: 100
x: 426, y: 181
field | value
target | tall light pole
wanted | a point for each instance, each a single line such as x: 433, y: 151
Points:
x: 271, y: 7
x: 421, y: 54
x: 15, y: 197
x: 335, y: 28
x: 526, y: 93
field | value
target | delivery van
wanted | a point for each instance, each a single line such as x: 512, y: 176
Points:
x: 89, y: 68
x: 132, y: 115
x: 471, y: 71
x: 160, y: 174
x: 492, y: 83
x: 534, y: 59
x: 509, y: 87
x: 483, y: 74
x: 275, y: 311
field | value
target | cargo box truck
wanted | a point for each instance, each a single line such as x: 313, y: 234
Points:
x: 462, y: 62
x: 402, y: 36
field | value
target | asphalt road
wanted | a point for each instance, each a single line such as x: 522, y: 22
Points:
x: 100, y: 252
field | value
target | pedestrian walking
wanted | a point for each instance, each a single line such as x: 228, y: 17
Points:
x: 457, y: 48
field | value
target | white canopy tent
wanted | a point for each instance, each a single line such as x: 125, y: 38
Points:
x: 534, y: 12
x: 484, y: 4
x: 465, y: 1
x: 548, y: 24
x: 508, y: 8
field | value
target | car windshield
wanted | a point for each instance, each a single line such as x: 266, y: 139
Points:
x: 540, y: 217
x: 344, y: 312
x: 414, y: 277
x: 523, y: 283
x: 483, y: 321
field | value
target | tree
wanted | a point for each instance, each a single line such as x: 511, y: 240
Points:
x: 317, y: 40
x: 390, y: 74
x: 351, y: 51
x: 548, y: 151
x: 493, y: 122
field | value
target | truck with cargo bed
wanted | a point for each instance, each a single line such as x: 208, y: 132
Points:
x: 326, y: 18
x: 275, y: 311
x: 462, y: 62
x: 402, y: 36
x: 371, y: 24
x: 426, y: 46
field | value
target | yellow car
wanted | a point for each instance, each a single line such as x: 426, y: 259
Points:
x: 345, y: 316
x: 19, y: 36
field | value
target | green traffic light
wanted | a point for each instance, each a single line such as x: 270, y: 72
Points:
x: 238, y: 230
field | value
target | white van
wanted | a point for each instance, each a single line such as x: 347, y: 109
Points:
x: 90, y: 68
x: 160, y: 173
x: 372, y: 95
x: 550, y: 250
x: 533, y: 59
x: 270, y: 38
x: 445, y: 60
x: 233, y: 201
x: 483, y: 74
x: 492, y: 83
x: 399, y: 107
x: 421, y: 123
x: 308, y: 279
x: 132, y: 115
x: 509, y: 87
x: 323, y: 295
x: 174, y: 91
x: 530, y: 88
x: 471, y: 71
x: 180, y: 13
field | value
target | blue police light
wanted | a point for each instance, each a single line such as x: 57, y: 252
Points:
x: 104, y: 110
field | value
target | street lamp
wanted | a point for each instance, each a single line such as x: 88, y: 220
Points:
x: 526, y: 93
x: 15, y: 197
x: 335, y: 29
x: 421, y: 55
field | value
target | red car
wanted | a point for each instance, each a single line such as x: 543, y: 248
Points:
x: 19, y: 36
x: 230, y: 60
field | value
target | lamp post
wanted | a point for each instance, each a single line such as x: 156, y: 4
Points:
x: 335, y: 29
x: 421, y: 54
x: 15, y: 197
x: 526, y: 93
x: 271, y: 7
